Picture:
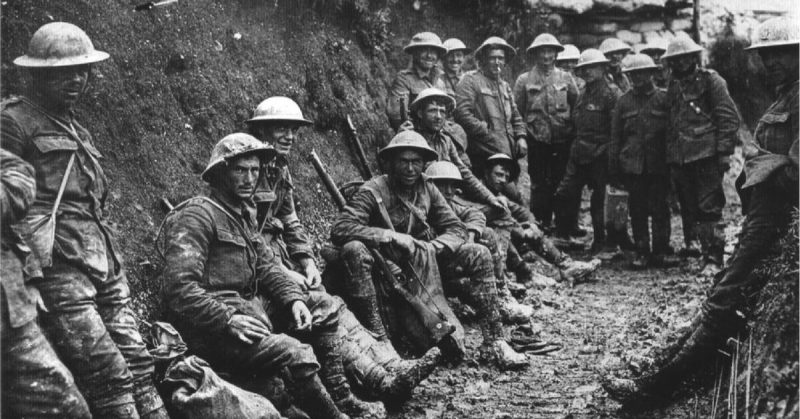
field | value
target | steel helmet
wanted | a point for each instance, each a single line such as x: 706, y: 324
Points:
x: 545, y: 40
x: 591, y: 56
x: 59, y: 44
x: 570, y: 52
x: 455, y: 44
x: 443, y: 170
x: 610, y: 45
x: 776, y: 32
x: 236, y: 145
x: 278, y: 108
x: 505, y: 160
x: 657, y: 45
x: 681, y: 45
x: 408, y: 140
x: 496, y: 41
x: 425, y: 39
x: 429, y: 94
x: 636, y: 62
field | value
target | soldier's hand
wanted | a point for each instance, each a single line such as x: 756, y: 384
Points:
x: 297, y: 278
x: 247, y: 329
x: 499, y: 202
x: 522, y: 148
x: 313, y: 277
x: 407, y: 125
x: 302, y: 317
x: 404, y: 242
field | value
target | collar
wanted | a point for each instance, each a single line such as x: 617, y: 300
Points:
x: 244, y: 209
x: 429, y: 76
x: 787, y: 87
x: 545, y: 71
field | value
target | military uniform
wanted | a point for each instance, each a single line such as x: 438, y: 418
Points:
x: 34, y: 381
x: 487, y: 112
x: 406, y: 87
x: 588, y: 159
x: 89, y: 322
x: 636, y: 158
x: 703, y: 124
x: 545, y: 101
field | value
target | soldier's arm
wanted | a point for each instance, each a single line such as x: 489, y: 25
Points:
x: 272, y: 281
x: 517, y: 122
x: 520, y: 98
x: 19, y: 188
x: 465, y: 114
x: 616, y: 140
x: 398, y: 91
x: 12, y: 138
x: 451, y: 232
x: 474, y: 188
x: 724, y: 114
x: 295, y: 236
x: 472, y: 218
x: 521, y: 214
x: 356, y: 222
x: 187, y: 240
x: 572, y: 91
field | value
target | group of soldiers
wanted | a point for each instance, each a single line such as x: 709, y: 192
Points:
x: 240, y: 279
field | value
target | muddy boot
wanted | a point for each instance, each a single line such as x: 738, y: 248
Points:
x: 316, y: 402
x: 149, y: 403
x: 367, y: 312
x: 501, y: 354
x: 511, y: 310
x: 575, y: 272
x: 404, y: 380
x: 332, y: 374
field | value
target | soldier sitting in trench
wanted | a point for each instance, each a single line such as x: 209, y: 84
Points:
x: 229, y: 299
x: 375, y: 364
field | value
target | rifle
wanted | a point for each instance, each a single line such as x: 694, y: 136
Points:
x: 433, y: 320
x: 363, y: 166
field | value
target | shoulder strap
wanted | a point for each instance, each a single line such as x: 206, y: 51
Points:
x: 381, y: 207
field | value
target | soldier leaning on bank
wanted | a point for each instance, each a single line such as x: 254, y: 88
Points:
x: 636, y: 160
x: 703, y: 125
x: 84, y: 287
x: 545, y: 96
x: 34, y: 382
x: 772, y: 180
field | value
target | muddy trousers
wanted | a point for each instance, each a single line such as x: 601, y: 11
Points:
x: 547, y: 164
x: 35, y: 384
x: 498, y: 242
x: 474, y: 261
x: 541, y: 245
x: 699, y: 188
x: 648, y: 202
x: 94, y: 331
x: 594, y: 175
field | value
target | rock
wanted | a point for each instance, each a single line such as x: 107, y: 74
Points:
x: 648, y: 26
x: 680, y: 25
x: 629, y: 37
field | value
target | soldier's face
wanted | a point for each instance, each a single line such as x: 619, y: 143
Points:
x: 240, y: 176
x: 546, y: 56
x: 591, y: 73
x: 446, y: 187
x: 497, y: 178
x: 640, y: 78
x: 453, y: 61
x: 407, y: 167
x: 781, y: 64
x: 425, y: 57
x: 280, y: 135
x: 432, y: 116
x: 683, y: 64
x: 494, y: 62
x: 61, y: 86
x: 615, y: 58
x: 568, y: 65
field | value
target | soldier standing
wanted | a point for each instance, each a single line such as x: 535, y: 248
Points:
x: 453, y: 62
x: 615, y: 50
x: 655, y: 49
x: 567, y: 59
x: 703, y: 123
x: 636, y: 160
x: 545, y: 96
x: 90, y: 322
x: 772, y: 180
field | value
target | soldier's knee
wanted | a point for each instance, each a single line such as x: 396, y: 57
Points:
x: 356, y: 251
x: 324, y: 309
x: 474, y: 257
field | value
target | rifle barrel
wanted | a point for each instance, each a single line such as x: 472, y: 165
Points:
x: 327, y: 180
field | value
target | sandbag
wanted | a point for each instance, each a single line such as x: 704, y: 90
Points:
x: 201, y: 393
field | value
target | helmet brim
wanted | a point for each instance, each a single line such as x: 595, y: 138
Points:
x: 409, y: 49
x: 773, y: 44
x: 387, y: 152
x: 667, y: 56
x: 532, y: 49
x: 451, y: 103
x: 507, y: 48
x: 591, y: 63
x: 267, y: 154
x: 35, y: 62
x: 647, y: 68
x: 278, y: 118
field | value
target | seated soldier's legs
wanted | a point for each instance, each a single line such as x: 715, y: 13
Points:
x: 497, y: 243
x: 78, y: 334
x: 34, y: 381
x: 113, y: 304
x: 358, y: 288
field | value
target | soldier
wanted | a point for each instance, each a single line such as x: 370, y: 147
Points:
x: 90, y: 322
x: 447, y: 178
x: 636, y: 160
x: 772, y: 179
x: 425, y: 49
x: 409, y: 220
x: 588, y: 157
x: 545, y: 96
x: 231, y: 301
x: 615, y: 50
x: 567, y: 59
x: 276, y: 122
x: 453, y: 61
x: 655, y: 49
x: 703, y: 123
x: 523, y: 227
x: 485, y: 107
x: 35, y: 382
